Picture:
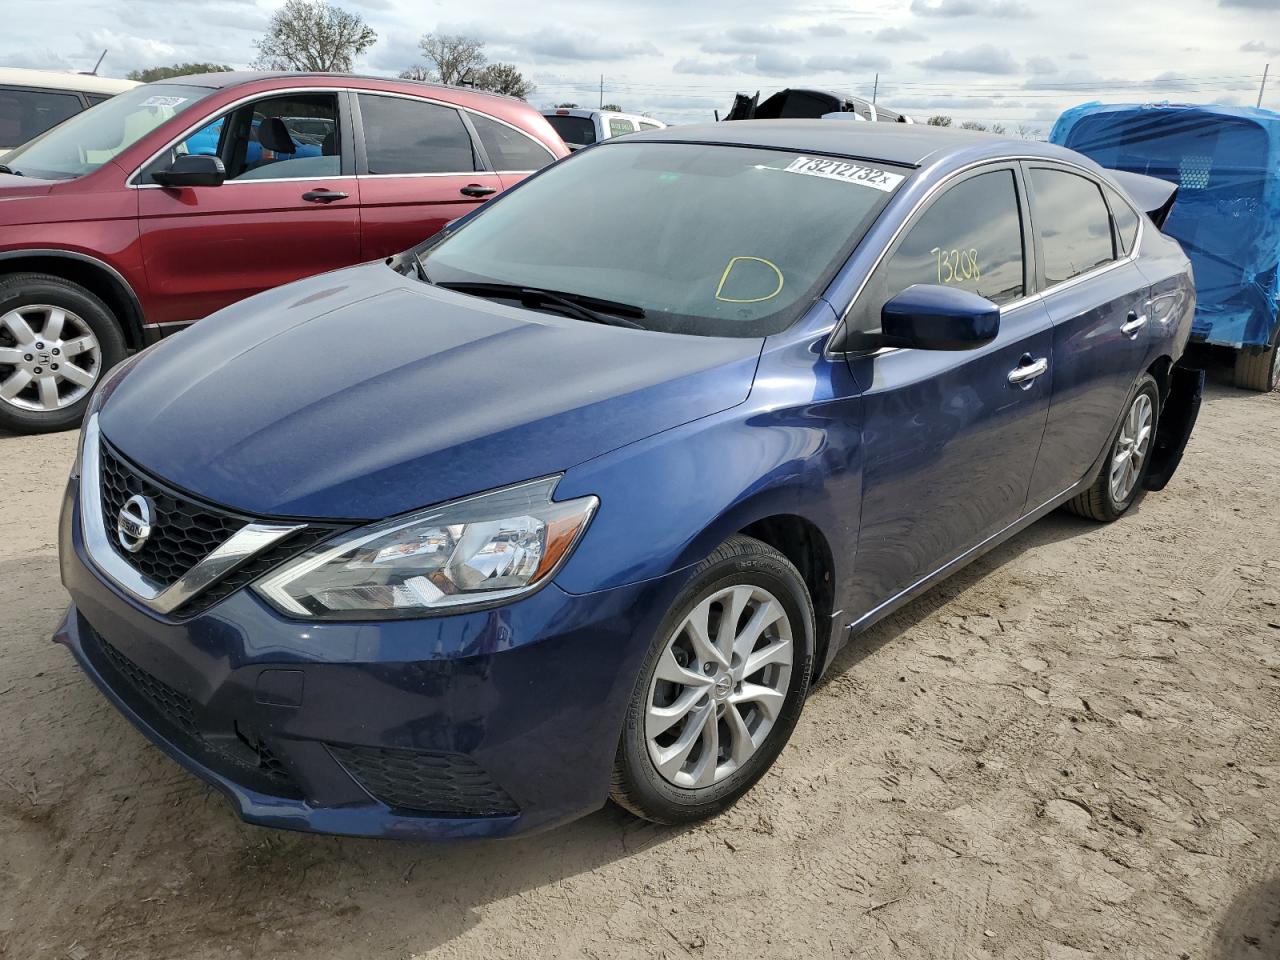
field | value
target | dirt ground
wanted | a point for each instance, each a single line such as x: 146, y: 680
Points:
x: 1067, y: 751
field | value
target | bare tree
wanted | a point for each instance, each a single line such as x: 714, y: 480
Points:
x: 313, y: 35
x: 939, y: 120
x: 451, y: 57
x: 416, y: 72
x: 973, y: 125
x: 999, y: 128
x: 504, y: 78
x: 1027, y: 132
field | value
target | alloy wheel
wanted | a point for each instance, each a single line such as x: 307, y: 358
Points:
x: 1132, y: 447
x: 49, y: 358
x: 719, y: 686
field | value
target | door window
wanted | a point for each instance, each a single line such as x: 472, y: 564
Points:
x: 970, y: 237
x: 1072, y: 220
x: 619, y: 127
x: 410, y: 136
x: 273, y: 139
x: 508, y: 148
x: 25, y: 114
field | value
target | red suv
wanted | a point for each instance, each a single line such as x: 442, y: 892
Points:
x: 174, y: 199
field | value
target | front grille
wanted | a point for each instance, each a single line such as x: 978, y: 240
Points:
x: 173, y: 715
x: 184, y: 531
x: 444, y: 784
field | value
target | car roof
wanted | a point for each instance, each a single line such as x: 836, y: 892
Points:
x: 907, y: 144
x: 60, y: 80
x: 234, y: 78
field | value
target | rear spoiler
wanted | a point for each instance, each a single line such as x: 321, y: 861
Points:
x: 1153, y: 196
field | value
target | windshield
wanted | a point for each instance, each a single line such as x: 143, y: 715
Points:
x: 703, y: 239
x: 88, y: 140
x: 575, y: 130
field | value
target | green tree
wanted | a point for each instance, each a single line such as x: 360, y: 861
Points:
x: 314, y: 35
x: 152, y: 74
x: 939, y: 120
x: 566, y: 106
x: 451, y: 58
x: 504, y: 78
x: 612, y: 106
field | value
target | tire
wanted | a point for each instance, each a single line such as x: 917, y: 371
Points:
x: 1103, y: 501
x: 1259, y: 369
x: 88, y: 327
x: 755, y: 577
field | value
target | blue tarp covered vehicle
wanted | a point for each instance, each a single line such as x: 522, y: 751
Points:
x: 1226, y: 163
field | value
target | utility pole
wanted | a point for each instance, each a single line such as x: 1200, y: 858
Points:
x: 875, y: 89
x: 602, y: 91
x: 1263, y: 85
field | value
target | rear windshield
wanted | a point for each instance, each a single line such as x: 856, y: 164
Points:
x: 85, y: 142
x: 706, y: 239
x: 575, y: 130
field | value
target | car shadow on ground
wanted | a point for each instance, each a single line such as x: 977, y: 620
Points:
x: 1250, y: 928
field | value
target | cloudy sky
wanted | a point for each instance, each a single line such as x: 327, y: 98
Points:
x: 1015, y: 61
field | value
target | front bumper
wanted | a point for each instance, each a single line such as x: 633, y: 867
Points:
x: 483, y: 724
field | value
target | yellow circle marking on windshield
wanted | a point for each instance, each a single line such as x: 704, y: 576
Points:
x: 729, y: 269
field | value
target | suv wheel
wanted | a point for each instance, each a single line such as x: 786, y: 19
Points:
x: 56, y: 341
x: 721, y: 688
x: 1258, y: 368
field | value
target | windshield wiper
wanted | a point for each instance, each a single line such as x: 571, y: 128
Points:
x: 584, y: 308
x: 5, y: 168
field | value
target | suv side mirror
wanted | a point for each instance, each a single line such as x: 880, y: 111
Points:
x: 929, y: 317
x: 192, y: 170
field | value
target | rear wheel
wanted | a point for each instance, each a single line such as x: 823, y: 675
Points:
x: 1119, y: 484
x: 1260, y: 369
x: 56, y: 341
x: 721, y: 688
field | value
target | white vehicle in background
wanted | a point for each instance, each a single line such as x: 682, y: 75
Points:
x: 33, y: 101
x: 581, y: 128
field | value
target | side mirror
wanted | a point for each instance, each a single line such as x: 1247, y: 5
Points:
x: 929, y: 317
x: 192, y: 170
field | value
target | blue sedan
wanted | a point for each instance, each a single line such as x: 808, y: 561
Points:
x: 578, y: 499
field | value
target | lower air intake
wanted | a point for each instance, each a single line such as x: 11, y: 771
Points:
x: 442, y: 784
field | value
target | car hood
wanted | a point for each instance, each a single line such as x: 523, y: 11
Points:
x: 13, y: 187
x: 363, y: 394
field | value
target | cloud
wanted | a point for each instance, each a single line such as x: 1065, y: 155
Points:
x: 984, y: 58
x: 898, y: 35
x: 751, y: 39
x: 551, y: 44
x: 847, y: 63
x: 1257, y: 46
x: 1041, y: 65
x: 1267, y: 5
x: 706, y: 67
x: 1077, y: 56
x: 1002, y: 9
x: 828, y: 30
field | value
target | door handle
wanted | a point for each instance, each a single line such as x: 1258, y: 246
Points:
x: 323, y: 196
x: 1025, y: 373
x: 1135, y: 323
x: 477, y: 190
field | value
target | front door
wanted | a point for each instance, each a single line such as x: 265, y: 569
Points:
x: 1097, y: 299
x: 950, y: 438
x: 289, y: 207
x: 418, y: 170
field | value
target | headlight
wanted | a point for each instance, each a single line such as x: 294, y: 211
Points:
x: 493, y: 547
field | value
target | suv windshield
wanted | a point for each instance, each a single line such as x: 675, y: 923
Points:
x: 85, y: 142
x: 695, y: 238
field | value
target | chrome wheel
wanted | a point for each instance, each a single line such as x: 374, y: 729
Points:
x: 719, y: 686
x: 1131, y: 448
x: 49, y: 358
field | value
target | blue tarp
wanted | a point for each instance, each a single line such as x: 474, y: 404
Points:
x: 1226, y: 162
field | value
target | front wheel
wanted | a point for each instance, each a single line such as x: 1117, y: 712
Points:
x: 1119, y: 484
x: 721, y: 688
x: 56, y: 341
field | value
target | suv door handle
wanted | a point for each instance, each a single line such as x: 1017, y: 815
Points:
x: 1134, y: 325
x: 477, y: 190
x: 323, y: 196
x: 1028, y: 370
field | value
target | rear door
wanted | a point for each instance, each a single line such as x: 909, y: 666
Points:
x: 950, y: 437
x: 288, y: 209
x: 1097, y: 298
x: 508, y: 151
x: 419, y: 169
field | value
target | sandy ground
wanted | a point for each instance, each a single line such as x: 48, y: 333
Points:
x: 1068, y: 751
